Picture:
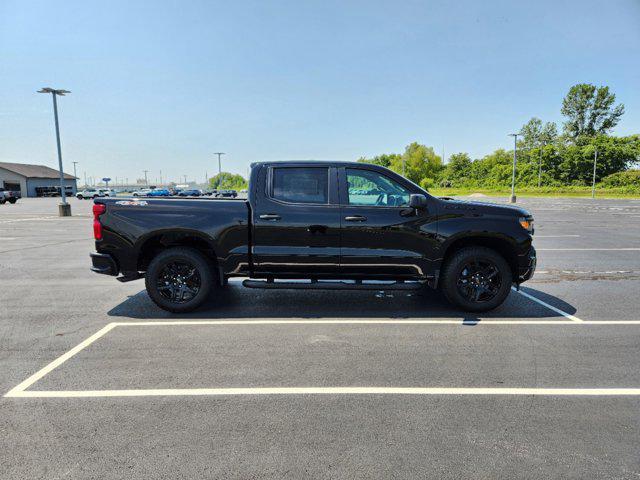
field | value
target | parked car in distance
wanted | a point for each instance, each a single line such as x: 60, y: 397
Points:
x: 159, y: 192
x: 89, y: 193
x: 8, y: 196
x: 226, y: 194
x: 189, y: 193
x: 303, y: 221
x: 108, y: 192
x: 54, y: 191
x: 141, y: 193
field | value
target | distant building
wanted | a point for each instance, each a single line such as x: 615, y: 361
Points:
x: 34, y: 180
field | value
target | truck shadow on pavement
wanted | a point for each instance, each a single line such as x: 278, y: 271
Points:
x: 237, y: 302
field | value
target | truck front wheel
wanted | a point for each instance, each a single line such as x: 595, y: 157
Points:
x: 179, y: 279
x: 476, y: 279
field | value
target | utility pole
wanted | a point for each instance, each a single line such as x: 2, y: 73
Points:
x: 593, y: 183
x: 64, y: 209
x: 146, y: 182
x: 85, y: 179
x: 160, y: 177
x: 219, y: 162
x: 515, y: 160
x: 185, y: 179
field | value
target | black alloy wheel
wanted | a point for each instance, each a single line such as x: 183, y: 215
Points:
x: 479, y: 280
x: 476, y: 279
x: 179, y: 282
x: 179, y: 279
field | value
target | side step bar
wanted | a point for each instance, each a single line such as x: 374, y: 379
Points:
x: 332, y: 285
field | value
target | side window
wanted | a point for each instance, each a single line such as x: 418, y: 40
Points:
x: 366, y: 187
x: 301, y: 185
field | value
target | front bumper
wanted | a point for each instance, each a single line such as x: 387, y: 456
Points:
x: 527, y: 265
x: 104, y: 263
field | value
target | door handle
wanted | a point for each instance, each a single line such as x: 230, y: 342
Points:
x: 356, y: 218
x: 270, y: 216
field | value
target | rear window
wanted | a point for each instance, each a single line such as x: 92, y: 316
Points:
x: 301, y: 185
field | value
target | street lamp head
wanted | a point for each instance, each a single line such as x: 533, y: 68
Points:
x: 514, y: 134
x: 60, y: 92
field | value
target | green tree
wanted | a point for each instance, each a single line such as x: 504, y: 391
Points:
x: 590, y: 111
x: 419, y: 161
x: 615, y: 154
x: 535, y: 133
x: 457, y: 172
x: 384, y: 160
x: 228, y: 181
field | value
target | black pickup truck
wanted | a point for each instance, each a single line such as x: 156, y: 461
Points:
x: 316, y: 225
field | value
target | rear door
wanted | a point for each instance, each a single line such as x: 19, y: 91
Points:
x: 381, y: 235
x: 296, y: 221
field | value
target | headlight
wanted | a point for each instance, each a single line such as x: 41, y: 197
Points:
x: 527, y: 224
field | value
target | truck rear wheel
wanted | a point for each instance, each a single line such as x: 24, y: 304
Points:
x: 12, y: 200
x: 476, y: 279
x: 179, y: 279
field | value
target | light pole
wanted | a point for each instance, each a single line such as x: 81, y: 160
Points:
x: 593, y: 183
x: 64, y: 209
x: 74, y: 172
x: 515, y: 160
x: 160, y: 177
x: 219, y: 162
x: 540, y: 165
x: 185, y: 179
x: 146, y: 182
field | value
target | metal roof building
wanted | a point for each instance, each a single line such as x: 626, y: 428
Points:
x: 32, y: 180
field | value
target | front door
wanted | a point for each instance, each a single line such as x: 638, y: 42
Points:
x: 381, y: 236
x: 297, y: 221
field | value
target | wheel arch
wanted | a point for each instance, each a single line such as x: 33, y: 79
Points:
x: 158, y: 241
x: 500, y: 244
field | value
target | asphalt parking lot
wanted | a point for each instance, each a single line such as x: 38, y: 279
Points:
x: 299, y: 384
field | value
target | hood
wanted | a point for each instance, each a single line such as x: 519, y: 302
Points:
x: 448, y: 203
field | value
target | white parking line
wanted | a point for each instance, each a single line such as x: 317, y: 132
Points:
x: 545, y: 304
x: 583, y: 392
x: 60, y: 360
x: 555, y: 236
x: 21, y: 389
x: 629, y: 249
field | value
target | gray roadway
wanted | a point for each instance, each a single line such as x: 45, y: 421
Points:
x: 50, y: 302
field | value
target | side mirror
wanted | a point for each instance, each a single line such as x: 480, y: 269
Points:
x: 417, y: 201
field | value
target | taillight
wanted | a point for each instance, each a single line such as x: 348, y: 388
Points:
x: 98, y: 209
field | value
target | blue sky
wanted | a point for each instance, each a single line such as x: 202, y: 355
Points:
x: 162, y: 85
